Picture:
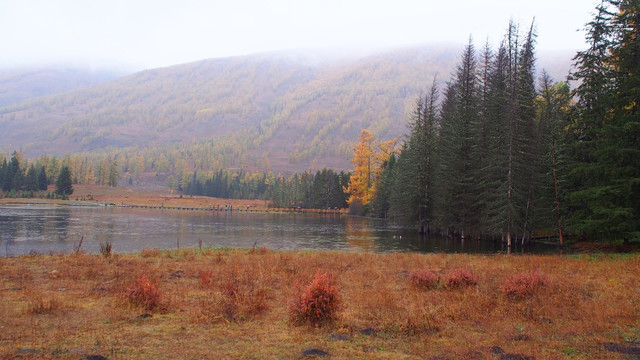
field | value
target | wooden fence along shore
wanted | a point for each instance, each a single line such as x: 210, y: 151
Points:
x: 224, y: 209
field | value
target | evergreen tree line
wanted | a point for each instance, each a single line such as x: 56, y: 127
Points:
x: 324, y: 189
x: 17, y: 181
x: 21, y: 175
x: 15, y: 178
x: 496, y: 153
x: 226, y: 184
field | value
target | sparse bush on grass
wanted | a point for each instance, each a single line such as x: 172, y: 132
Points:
x: 143, y: 293
x: 424, y: 279
x: 524, y: 285
x: 207, y: 277
x: 234, y: 297
x: 318, y: 302
x: 39, y: 305
x: 243, y: 299
x: 105, y: 249
x: 460, y: 278
x: 150, y: 253
x: 262, y: 250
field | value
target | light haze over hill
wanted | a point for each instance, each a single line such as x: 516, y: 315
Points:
x: 282, y: 111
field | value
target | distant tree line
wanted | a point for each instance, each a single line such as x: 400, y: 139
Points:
x: 324, y: 189
x: 496, y: 153
x: 17, y: 180
x: 14, y: 177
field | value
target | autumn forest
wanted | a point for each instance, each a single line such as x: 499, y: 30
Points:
x: 499, y: 150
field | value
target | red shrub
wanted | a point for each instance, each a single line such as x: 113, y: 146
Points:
x: 318, y: 302
x: 460, y: 278
x: 523, y: 285
x: 143, y: 293
x: 207, y: 277
x: 424, y: 279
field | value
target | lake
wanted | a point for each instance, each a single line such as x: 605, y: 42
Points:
x: 45, y: 229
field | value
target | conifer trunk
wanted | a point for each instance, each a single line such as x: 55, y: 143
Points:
x: 555, y: 185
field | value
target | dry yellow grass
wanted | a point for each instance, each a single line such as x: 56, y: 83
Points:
x: 139, y: 196
x: 234, y: 304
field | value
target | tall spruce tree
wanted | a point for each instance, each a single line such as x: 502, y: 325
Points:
x: 553, y: 114
x: 458, y: 195
x: 606, y: 175
x: 413, y: 196
x: 64, y: 184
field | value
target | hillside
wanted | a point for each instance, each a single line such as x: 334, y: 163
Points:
x: 279, y: 111
x: 19, y: 85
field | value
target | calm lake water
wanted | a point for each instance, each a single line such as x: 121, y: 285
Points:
x: 55, y: 229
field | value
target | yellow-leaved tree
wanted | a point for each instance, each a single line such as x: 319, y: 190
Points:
x: 368, y: 161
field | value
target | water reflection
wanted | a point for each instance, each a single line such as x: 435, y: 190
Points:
x: 44, y: 229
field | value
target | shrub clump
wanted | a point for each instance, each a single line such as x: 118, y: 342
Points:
x: 461, y: 278
x: 143, y: 293
x: 207, y: 278
x: 424, y: 279
x: 524, y: 285
x: 243, y: 299
x: 318, y: 302
x: 40, y: 305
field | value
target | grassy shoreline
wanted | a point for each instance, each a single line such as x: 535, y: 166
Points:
x: 74, y: 305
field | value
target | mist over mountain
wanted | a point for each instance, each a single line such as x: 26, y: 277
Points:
x: 18, y: 85
x: 279, y: 111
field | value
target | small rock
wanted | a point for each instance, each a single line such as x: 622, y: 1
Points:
x: 629, y: 350
x: 26, y: 351
x: 368, y: 331
x: 546, y: 320
x: 520, y: 337
x: 95, y: 357
x: 496, y: 350
x: 314, y: 352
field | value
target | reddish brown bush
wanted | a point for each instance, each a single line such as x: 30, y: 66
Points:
x: 424, y: 279
x: 143, y: 293
x: 40, y: 305
x: 318, y: 302
x: 207, y: 277
x: 460, y: 278
x: 523, y: 285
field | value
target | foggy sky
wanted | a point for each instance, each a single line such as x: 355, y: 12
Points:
x: 157, y: 33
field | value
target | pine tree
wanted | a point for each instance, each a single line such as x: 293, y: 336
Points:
x: 31, y: 180
x: 64, y: 185
x: 459, y: 121
x: 413, y: 196
x: 42, y: 179
x: 606, y: 176
x: 114, y: 175
x: 553, y: 114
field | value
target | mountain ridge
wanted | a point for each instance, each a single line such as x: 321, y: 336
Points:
x: 266, y: 111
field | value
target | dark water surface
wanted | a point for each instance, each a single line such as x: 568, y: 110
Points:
x: 55, y: 229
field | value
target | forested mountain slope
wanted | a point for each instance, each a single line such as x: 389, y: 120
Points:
x: 275, y: 111
x: 18, y: 85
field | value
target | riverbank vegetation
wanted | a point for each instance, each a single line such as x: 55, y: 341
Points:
x: 497, y: 153
x: 253, y: 304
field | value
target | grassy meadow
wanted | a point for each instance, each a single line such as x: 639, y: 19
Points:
x: 238, y: 304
